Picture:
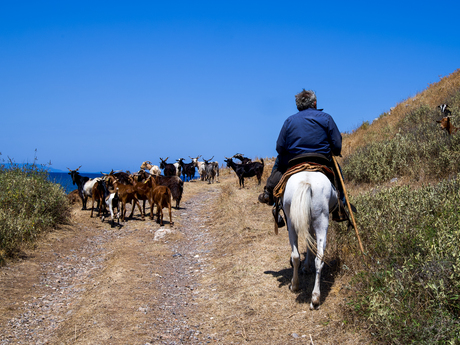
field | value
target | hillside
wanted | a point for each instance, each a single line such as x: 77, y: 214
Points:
x: 385, y: 126
x: 403, y: 175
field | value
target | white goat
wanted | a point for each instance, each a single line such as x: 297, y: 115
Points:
x: 153, y: 169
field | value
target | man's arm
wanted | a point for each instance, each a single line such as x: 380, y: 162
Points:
x: 281, y: 142
x: 335, y: 138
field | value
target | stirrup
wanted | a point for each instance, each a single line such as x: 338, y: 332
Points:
x: 279, y: 220
x: 340, y: 214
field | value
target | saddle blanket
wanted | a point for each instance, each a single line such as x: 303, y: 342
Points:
x: 310, y: 166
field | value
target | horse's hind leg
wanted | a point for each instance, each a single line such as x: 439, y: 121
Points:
x: 307, y: 266
x: 316, y: 295
x: 295, y: 258
x: 319, y: 263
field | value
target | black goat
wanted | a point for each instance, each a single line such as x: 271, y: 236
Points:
x: 80, y: 181
x: 188, y: 170
x: 445, y: 110
x: 244, y: 160
x: 210, y: 170
x: 246, y: 170
x: 168, y: 169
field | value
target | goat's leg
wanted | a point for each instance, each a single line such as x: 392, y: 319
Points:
x: 132, y: 209
x: 152, y: 204
x: 123, y: 211
x: 85, y: 199
x: 92, y: 208
x: 171, y: 223
x: 161, y: 216
x: 140, y: 209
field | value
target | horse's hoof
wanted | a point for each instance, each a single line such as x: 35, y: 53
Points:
x: 293, y: 289
x: 314, y: 307
x: 315, y: 301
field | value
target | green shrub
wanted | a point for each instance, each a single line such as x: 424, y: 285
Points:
x: 409, y: 292
x: 29, y: 205
x: 419, y: 150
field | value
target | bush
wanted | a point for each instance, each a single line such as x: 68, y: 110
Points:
x: 410, y: 290
x: 419, y: 150
x: 29, y: 205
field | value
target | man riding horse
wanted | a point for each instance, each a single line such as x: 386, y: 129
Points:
x: 311, y: 136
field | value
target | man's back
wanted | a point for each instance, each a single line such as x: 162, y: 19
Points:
x: 309, y: 131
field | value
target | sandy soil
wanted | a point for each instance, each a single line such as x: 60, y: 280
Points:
x: 139, y: 283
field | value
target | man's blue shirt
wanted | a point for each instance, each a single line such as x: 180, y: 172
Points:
x: 308, y: 131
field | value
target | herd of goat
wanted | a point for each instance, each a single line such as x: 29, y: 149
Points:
x: 115, y: 190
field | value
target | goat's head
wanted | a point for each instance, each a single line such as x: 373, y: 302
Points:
x: 208, y: 160
x: 163, y: 162
x: 146, y: 165
x: 229, y: 161
x: 447, y: 125
x: 142, y: 175
x: 195, y: 160
x: 74, y: 174
x: 445, y: 109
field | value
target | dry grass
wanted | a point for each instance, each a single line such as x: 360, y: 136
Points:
x: 248, y: 295
x: 384, y: 127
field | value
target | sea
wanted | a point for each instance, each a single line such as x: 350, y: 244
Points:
x: 64, y: 179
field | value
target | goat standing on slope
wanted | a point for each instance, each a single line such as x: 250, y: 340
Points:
x: 445, y: 121
x: 246, y: 170
x: 243, y: 159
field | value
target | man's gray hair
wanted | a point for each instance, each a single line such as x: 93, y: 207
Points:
x: 305, y: 99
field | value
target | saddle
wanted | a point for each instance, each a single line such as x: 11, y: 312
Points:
x: 305, y: 162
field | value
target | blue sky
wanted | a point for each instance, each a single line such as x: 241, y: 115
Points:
x: 108, y: 85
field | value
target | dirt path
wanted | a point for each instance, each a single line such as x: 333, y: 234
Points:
x: 209, y: 280
x: 92, y: 284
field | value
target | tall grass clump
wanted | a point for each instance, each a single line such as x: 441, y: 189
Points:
x: 409, y: 292
x: 29, y: 205
x: 419, y: 149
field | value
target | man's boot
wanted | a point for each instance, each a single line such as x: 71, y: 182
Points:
x: 340, y: 214
x: 266, y: 197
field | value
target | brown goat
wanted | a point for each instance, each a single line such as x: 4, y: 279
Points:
x: 160, y: 196
x: 126, y: 193
x: 447, y: 125
x: 97, y: 194
x: 174, y: 183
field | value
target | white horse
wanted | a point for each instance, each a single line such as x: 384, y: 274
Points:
x: 308, y: 199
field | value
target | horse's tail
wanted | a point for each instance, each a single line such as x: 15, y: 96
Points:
x: 300, y: 214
